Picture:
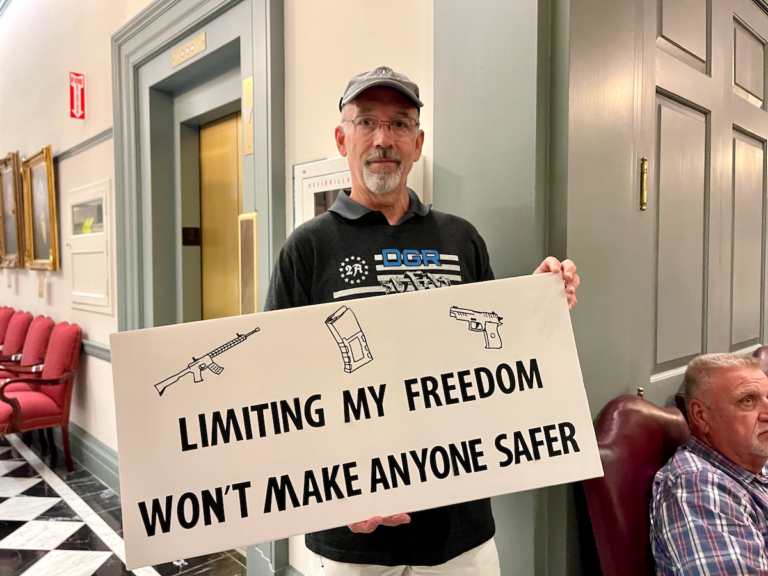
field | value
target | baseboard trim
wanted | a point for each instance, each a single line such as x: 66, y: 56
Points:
x: 268, y: 559
x: 92, y: 454
x: 291, y: 571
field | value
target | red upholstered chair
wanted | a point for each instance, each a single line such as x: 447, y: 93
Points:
x: 15, y: 336
x: 635, y: 438
x: 32, y: 354
x: 49, y: 407
x: 5, y: 318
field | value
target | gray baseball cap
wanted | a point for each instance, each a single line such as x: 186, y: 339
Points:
x: 381, y: 76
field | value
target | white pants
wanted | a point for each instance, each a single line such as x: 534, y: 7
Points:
x: 480, y: 561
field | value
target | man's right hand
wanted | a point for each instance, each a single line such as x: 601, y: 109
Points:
x: 368, y: 526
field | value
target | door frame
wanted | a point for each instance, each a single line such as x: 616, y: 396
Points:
x: 160, y: 27
x: 208, y: 103
x: 163, y: 25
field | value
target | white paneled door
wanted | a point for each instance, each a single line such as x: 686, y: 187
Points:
x: 704, y: 126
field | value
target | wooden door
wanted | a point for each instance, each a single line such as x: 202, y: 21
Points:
x: 702, y: 238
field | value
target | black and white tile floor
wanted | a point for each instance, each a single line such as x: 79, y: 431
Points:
x: 59, y: 523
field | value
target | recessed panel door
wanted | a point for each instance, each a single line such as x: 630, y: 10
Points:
x: 220, y: 206
x: 682, y: 186
x: 681, y: 211
x: 747, y: 254
x: 703, y: 289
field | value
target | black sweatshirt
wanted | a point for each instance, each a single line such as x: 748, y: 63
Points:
x: 352, y: 252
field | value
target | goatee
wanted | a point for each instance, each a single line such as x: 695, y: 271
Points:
x: 386, y: 180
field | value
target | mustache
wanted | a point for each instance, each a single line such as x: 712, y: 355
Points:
x: 383, y: 154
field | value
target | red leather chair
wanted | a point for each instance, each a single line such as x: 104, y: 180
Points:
x: 5, y: 318
x: 32, y: 354
x: 15, y: 336
x: 47, y: 404
x: 635, y: 438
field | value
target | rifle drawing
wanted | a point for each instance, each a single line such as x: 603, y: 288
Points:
x: 206, y: 362
x: 486, y: 322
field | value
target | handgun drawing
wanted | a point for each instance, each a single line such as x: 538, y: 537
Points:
x: 206, y: 362
x: 486, y: 322
x: 349, y: 336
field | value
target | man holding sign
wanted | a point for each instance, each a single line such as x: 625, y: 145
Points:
x: 378, y: 238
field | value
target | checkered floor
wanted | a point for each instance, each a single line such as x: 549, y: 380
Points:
x: 42, y: 534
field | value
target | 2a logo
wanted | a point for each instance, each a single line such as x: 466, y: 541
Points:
x: 353, y: 270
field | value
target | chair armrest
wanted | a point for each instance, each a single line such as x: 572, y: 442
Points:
x: 18, y: 369
x: 15, y: 423
x: 43, y: 381
x: 15, y: 358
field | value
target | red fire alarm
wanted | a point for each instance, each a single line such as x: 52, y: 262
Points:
x: 77, y: 95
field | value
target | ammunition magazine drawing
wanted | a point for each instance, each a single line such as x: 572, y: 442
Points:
x: 198, y: 365
x: 350, y: 339
x: 486, y: 322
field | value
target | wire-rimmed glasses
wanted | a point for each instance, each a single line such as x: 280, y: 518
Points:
x: 400, y: 127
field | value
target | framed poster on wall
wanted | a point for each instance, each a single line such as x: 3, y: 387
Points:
x: 11, y: 216
x: 40, y: 228
x: 86, y: 232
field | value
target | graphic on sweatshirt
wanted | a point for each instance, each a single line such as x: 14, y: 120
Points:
x: 411, y: 270
x: 353, y: 270
x: 399, y: 271
x: 486, y: 322
x: 349, y: 338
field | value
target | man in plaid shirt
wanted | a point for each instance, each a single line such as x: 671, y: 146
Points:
x: 709, y: 513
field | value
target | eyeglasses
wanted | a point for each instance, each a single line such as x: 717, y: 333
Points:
x: 401, y: 127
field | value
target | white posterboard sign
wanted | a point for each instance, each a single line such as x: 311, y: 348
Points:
x: 475, y: 389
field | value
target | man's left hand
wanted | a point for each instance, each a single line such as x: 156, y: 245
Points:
x: 570, y: 278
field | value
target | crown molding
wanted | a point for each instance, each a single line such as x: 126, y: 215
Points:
x: 3, y: 5
x: 762, y: 4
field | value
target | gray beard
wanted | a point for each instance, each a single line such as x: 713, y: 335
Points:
x: 383, y: 182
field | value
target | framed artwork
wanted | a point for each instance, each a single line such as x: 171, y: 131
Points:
x: 41, y: 237
x: 11, y: 215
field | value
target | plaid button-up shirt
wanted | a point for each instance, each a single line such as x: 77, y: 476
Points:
x: 709, y: 516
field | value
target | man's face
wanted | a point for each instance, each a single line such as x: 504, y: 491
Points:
x: 735, y: 418
x: 381, y: 160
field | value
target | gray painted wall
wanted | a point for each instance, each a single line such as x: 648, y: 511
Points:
x: 603, y: 195
x: 490, y: 114
x: 485, y: 83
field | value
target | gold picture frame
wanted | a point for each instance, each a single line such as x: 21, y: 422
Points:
x: 11, y: 214
x: 41, y: 234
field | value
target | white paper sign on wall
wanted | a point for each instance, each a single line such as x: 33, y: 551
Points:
x: 225, y: 425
